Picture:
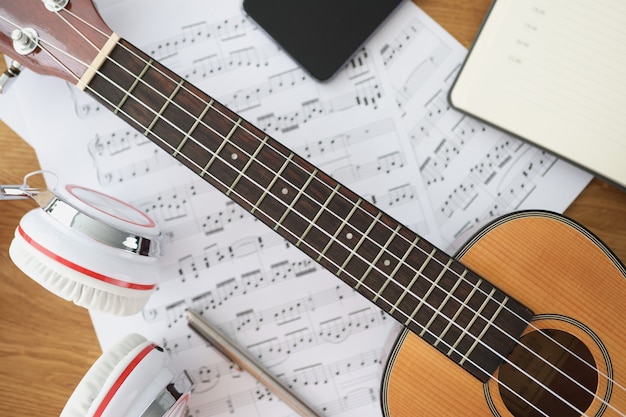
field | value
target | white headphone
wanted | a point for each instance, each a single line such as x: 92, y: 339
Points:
x: 101, y: 253
x: 87, y: 247
x: 132, y: 379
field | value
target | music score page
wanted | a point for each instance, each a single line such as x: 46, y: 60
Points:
x: 382, y: 126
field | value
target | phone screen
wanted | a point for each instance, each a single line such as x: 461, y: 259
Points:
x: 321, y: 35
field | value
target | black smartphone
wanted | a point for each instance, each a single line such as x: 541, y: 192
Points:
x: 321, y: 35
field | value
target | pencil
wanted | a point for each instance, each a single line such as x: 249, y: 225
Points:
x: 245, y: 361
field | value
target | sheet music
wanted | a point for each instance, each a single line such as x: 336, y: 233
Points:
x: 382, y: 126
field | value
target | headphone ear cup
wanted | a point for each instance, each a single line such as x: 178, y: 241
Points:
x: 98, y: 385
x: 80, y: 269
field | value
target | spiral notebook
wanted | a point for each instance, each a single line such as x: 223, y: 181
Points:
x: 553, y: 72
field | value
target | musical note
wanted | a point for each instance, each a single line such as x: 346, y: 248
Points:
x: 435, y: 108
x: 299, y: 339
x: 359, y: 65
x: 187, y: 267
x: 112, y: 144
x: 384, y: 164
x: 177, y: 345
x: 368, y: 92
x: 194, y: 34
x: 214, y: 254
x: 314, y: 375
x: 406, y: 35
x: 191, y: 34
x: 270, y: 351
x: 251, y: 97
x: 343, y: 142
x: 248, y: 319
x: 176, y: 312
x: 397, y: 195
x: 207, y: 66
x: 333, y: 330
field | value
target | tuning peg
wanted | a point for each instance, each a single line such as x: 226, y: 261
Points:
x: 55, y: 5
x: 9, y: 75
x: 25, y: 40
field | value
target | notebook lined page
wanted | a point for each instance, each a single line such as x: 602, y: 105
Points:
x: 552, y: 71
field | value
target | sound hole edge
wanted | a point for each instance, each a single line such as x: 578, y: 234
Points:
x: 599, y: 385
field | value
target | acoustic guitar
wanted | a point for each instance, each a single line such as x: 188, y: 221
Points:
x: 527, y: 320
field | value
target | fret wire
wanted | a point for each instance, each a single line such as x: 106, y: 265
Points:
x: 459, y: 310
x: 417, y: 275
x: 318, y: 214
x: 436, y: 311
x: 435, y: 282
x: 524, y: 319
x: 133, y: 86
x: 271, y: 184
x: 339, y: 229
x: 466, y: 330
x: 245, y: 168
x: 167, y: 76
x: 160, y: 113
x: 293, y: 202
x: 475, y: 287
x: 513, y: 312
x: 228, y: 118
x: 289, y: 158
x: 150, y: 86
x: 287, y: 161
x: 193, y: 127
x: 375, y: 261
x: 206, y: 168
x: 485, y: 328
x: 395, y: 270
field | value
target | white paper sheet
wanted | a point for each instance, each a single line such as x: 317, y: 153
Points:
x: 382, y: 126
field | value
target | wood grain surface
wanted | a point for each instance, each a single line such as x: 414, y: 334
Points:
x: 47, y: 344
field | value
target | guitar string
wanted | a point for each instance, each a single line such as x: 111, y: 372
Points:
x: 298, y: 213
x: 292, y: 184
x: 368, y: 288
x: 412, y: 246
x: 530, y: 324
x: 480, y: 290
x: 443, y: 342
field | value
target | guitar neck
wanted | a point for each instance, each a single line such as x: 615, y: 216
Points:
x: 436, y: 297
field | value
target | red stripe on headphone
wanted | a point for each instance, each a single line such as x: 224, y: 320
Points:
x: 120, y: 380
x: 82, y: 270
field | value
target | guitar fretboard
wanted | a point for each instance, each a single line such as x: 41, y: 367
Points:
x: 436, y: 297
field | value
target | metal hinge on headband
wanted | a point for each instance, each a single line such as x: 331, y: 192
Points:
x: 12, y: 192
x: 42, y: 196
x: 169, y: 396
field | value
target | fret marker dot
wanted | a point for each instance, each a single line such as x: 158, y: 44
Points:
x: 387, y: 262
x: 349, y: 236
x: 233, y: 156
x: 285, y: 191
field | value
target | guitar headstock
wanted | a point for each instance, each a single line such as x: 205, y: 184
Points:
x: 56, y: 37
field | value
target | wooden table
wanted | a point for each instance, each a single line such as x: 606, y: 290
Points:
x: 47, y: 344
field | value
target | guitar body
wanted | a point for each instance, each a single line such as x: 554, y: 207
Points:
x: 574, y: 285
